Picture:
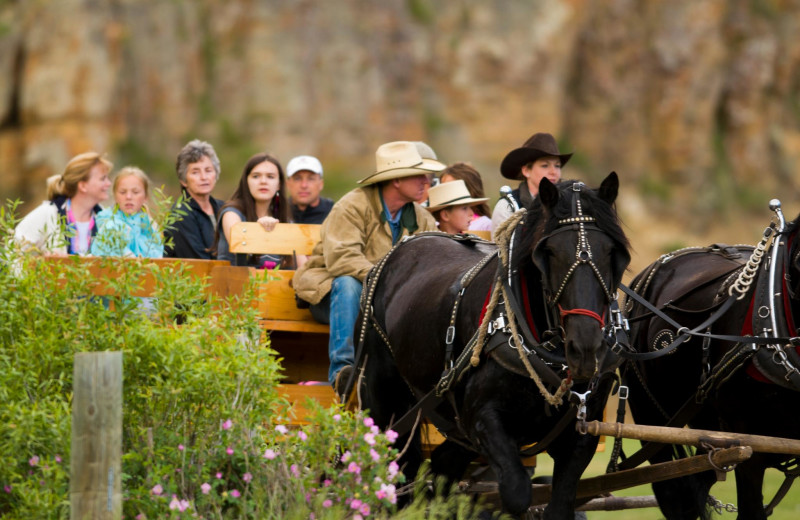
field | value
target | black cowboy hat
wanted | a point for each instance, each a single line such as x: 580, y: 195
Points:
x: 539, y: 145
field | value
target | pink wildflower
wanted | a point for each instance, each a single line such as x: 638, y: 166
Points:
x: 387, y: 492
x: 354, y: 468
x: 368, y: 422
x: 375, y: 455
x: 281, y: 429
x: 391, y: 436
x: 227, y: 425
x: 355, y: 504
x: 175, y: 503
x: 302, y: 435
x: 218, y: 475
x: 327, y: 503
x: 205, y: 487
x: 180, y: 447
x: 346, y: 456
x: 393, y: 469
x: 369, y: 438
x: 247, y: 477
x: 365, y: 510
x: 140, y: 516
x: 157, y: 490
x: 7, y: 488
x: 229, y: 450
x: 270, y: 454
x: 58, y: 459
x: 327, y: 482
x: 33, y: 460
x: 337, y: 417
x: 295, y: 470
x: 235, y: 493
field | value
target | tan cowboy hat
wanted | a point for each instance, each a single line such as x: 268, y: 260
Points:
x: 396, y: 160
x: 539, y: 145
x: 453, y: 193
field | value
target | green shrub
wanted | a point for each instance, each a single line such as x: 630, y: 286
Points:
x: 202, y: 417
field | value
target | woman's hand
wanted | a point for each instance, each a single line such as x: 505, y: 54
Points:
x: 268, y: 223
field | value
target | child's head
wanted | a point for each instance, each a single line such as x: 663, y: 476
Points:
x: 131, y: 186
x: 451, y: 205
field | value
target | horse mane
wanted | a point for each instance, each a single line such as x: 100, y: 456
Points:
x: 539, y: 222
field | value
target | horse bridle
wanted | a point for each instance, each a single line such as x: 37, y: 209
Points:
x: 583, y: 256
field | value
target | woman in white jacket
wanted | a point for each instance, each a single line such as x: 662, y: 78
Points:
x: 65, y: 223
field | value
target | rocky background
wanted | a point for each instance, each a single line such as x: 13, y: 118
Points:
x: 695, y: 103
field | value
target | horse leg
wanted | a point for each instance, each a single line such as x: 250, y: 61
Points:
x: 684, y: 497
x: 451, y: 460
x: 571, y: 453
x: 749, y: 485
x: 513, y: 482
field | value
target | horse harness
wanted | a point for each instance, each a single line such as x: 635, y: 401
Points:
x: 774, y: 356
x: 535, y: 359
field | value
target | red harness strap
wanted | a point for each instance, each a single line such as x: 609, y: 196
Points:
x: 526, y: 304
x: 747, y: 329
x: 582, y: 312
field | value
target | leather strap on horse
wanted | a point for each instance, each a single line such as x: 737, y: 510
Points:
x: 721, y: 372
x: 504, y: 238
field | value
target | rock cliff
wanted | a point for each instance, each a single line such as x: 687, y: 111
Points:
x: 694, y: 102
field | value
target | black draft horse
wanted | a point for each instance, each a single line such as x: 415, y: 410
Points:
x: 688, y: 286
x: 568, y: 253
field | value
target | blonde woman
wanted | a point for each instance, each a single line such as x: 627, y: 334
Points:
x: 73, y: 197
x: 126, y: 229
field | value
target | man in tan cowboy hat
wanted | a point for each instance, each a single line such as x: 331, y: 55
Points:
x: 450, y: 203
x: 538, y: 158
x: 360, y: 229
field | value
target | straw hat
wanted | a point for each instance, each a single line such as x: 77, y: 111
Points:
x: 396, y: 160
x: 453, y: 193
x: 538, y: 145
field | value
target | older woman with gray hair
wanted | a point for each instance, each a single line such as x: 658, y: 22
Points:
x: 192, y: 236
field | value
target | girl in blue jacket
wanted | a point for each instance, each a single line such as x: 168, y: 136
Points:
x: 126, y: 229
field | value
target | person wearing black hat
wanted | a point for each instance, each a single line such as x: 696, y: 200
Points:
x: 538, y: 158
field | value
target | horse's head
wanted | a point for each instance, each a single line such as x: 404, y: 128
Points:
x: 582, y: 253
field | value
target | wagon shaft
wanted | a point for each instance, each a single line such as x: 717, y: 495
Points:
x: 669, y: 435
x: 604, y: 484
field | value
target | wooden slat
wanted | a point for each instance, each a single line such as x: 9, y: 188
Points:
x: 486, y: 235
x: 295, y: 326
x: 102, y: 269
x: 297, y: 395
x: 285, y: 239
x: 228, y: 280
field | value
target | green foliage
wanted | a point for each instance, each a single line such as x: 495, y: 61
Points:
x: 181, y: 382
x: 649, y: 186
x: 421, y: 11
x: 134, y: 152
x: 200, y: 398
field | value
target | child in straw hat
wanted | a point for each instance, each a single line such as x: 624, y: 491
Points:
x: 451, y: 205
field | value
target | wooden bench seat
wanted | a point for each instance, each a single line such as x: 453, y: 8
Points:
x: 276, y: 298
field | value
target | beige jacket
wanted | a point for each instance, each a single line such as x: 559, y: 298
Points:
x: 352, y: 239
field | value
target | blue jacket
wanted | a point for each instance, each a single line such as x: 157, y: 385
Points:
x: 119, y: 234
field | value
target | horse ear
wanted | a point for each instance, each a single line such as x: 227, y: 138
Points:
x: 548, y: 193
x: 609, y: 188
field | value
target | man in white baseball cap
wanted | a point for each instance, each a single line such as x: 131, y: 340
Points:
x: 304, y: 180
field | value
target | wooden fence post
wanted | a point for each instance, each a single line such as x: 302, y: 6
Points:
x: 96, y: 461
